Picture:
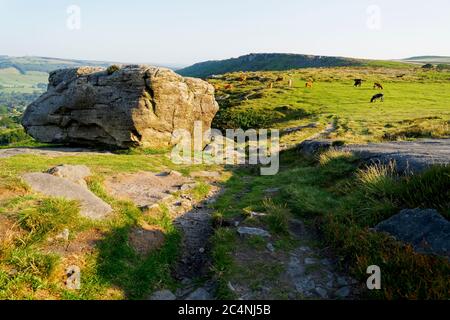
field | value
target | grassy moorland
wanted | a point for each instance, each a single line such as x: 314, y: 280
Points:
x: 333, y: 193
x: 416, y: 102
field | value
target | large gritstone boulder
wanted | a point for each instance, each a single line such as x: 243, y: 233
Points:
x: 127, y: 106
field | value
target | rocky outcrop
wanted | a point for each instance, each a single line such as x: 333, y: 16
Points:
x: 134, y: 105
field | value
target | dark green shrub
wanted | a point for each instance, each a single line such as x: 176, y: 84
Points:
x: 112, y: 69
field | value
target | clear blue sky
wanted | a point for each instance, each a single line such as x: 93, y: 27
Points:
x: 188, y: 31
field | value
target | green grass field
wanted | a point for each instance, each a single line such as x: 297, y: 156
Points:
x: 418, y: 102
x: 11, y: 80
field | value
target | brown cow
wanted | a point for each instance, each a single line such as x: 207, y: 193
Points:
x: 377, y: 85
x: 309, y: 84
x: 228, y: 87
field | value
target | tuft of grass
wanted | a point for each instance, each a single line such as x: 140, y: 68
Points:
x: 224, y: 241
x: 201, y: 190
x: 50, y: 216
x: 29, y: 261
x: 278, y: 217
x: 379, y: 179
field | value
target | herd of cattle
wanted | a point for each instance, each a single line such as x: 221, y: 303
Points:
x: 309, y: 84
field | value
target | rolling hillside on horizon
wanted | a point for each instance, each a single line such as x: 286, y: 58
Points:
x: 429, y: 59
x: 276, y: 62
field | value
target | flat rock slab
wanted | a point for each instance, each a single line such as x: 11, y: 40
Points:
x: 409, y: 156
x: 426, y: 230
x: 144, y: 188
x: 413, y: 156
x: 50, y: 152
x: 76, y: 174
x: 91, y: 206
x: 253, y: 232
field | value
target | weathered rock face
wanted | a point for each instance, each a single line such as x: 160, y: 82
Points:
x: 136, y: 105
x: 426, y: 230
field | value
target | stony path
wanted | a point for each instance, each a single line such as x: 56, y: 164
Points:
x: 307, y: 272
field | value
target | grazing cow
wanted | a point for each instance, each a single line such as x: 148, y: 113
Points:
x: 377, y: 85
x: 228, y: 87
x: 309, y: 84
x: 358, y: 82
x: 376, y: 97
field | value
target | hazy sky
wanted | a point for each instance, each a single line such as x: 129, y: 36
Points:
x: 188, y: 31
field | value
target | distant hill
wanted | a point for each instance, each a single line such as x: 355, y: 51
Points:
x: 266, y: 62
x: 44, y: 64
x: 429, y: 59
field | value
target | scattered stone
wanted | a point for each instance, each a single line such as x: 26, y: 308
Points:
x: 272, y: 190
x: 304, y: 285
x: 342, y: 282
x: 187, y: 186
x: 426, y: 230
x: 326, y: 262
x: 64, y: 235
x: 330, y: 284
x: 343, y: 292
x: 230, y: 286
x: 322, y: 292
x: 134, y: 106
x: 310, y: 261
x: 163, y: 295
x: 295, y: 268
x: 257, y: 214
x: 313, y: 147
x: 91, y: 206
x: 76, y: 174
x: 253, y: 232
x: 200, y: 294
x: 270, y: 247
